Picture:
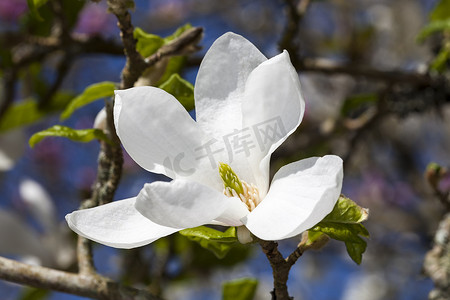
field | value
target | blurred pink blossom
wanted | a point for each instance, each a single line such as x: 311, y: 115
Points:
x: 52, y: 246
x: 95, y: 20
x: 173, y: 10
x: 11, y: 10
x: 85, y: 178
x: 444, y: 183
x: 49, y: 154
x: 375, y: 187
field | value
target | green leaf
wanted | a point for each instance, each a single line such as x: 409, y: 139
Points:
x: 342, y: 231
x: 29, y: 293
x: 313, y: 238
x: 27, y: 111
x: 72, y: 10
x: 77, y: 135
x: 346, y: 211
x: 433, y: 27
x: 5, y: 58
x: 239, y: 289
x: 441, y: 11
x: 439, y: 63
x: 23, y: 113
x: 175, y: 65
x: 91, y: 93
x: 228, y: 236
x: 39, y: 27
x: 355, y: 250
x: 181, y: 89
x: 177, y: 32
x: 344, y: 224
x: 33, y: 5
x: 147, y: 43
x: 357, y: 101
x: 214, y: 240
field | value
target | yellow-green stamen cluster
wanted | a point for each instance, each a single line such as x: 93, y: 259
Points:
x: 230, y: 179
x: 233, y: 187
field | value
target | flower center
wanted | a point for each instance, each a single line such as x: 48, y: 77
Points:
x: 234, y: 187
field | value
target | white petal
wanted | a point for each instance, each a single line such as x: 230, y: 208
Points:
x: 234, y: 213
x: 159, y: 134
x: 182, y: 203
x: 117, y: 224
x: 221, y: 81
x: 100, y: 120
x: 301, y: 195
x: 273, y: 108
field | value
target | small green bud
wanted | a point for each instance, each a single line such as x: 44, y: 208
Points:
x: 434, y: 174
x: 230, y: 179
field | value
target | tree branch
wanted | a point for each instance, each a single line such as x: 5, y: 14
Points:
x: 328, y: 66
x: 294, y: 256
x: 9, y: 84
x: 135, y: 64
x: 437, y: 261
x: 92, y: 286
x: 295, y: 10
x: 84, y: 248
x: 60, y: 28
x: 281, y: 266
x: 62, y: 70
x: 280, y: 269
x: 179, y: 46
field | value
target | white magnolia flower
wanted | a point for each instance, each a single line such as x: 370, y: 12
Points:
x: 39, y: 203
x: 51, y: 246
x: 246, y: 106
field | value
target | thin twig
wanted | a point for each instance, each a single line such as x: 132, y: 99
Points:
x: 109, y: 171
x: 96, y: 44
x: 374, y: 118
x: 289, y: 38
x: 60, y: 28
x: 84, y: 256
x: 9, y: 84
x: 294, y: 256
x: 328, y: 66
x: 84, y: 248
x: 92, y: 286
x: 295, y: 10
x: 179, y: 46
x: 444, y: 199
x: 434, y: 175
x: 78, y: 43
x: 161, y: 261
x: 61, y: 71
x: 302, y: 7
x: 281, y: 266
